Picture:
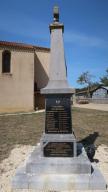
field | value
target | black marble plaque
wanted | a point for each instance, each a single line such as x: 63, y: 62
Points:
x: 59, y: 149
x: 58, y: 115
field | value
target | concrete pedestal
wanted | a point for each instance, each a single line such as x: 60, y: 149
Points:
x: 41, y: 173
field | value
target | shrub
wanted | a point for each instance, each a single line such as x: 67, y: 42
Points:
x: 84, y: 101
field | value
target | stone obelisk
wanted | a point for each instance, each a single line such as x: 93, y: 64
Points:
x: 57, y: 69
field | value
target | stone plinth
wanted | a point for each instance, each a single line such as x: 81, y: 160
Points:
x: 59, y: 145
x: 58, y: 174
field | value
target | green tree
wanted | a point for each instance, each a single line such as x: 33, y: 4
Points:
x: 104, y: 79
x: 85, y: 79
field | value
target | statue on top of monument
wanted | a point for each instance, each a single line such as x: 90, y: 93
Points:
x: 56, y: 14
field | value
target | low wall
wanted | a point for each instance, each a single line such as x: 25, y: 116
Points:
x: 100, y: 101
x: 92, y: 100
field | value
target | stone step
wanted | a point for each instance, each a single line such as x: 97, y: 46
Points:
x: 53, y: 167
x: 39, y: 164
x: 54, y: 182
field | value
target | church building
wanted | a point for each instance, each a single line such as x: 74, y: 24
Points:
x: 23, y: 72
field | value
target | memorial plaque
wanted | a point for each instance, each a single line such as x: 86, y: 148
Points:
x: 59, y: 149
x: 58, y: 115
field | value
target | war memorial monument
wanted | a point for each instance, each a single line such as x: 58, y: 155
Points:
x: 58, y: 163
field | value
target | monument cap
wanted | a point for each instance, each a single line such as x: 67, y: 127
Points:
x: 56, y: 14
x: 56, y: 24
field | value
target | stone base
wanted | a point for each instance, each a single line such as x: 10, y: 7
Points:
x: 62, y: 139
x: 58, y: 174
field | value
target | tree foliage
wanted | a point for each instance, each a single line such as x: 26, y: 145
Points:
x: 104, y: 79
x: 85, y: 78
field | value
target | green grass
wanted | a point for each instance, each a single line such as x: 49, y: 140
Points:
x: 89, y: 126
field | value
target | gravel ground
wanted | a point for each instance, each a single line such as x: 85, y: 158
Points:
x: 9, y: 165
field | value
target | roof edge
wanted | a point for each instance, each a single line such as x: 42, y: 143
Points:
x: 23, y: 46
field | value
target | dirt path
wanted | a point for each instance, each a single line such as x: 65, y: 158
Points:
x: 102, y: 107
x: 19, y: 154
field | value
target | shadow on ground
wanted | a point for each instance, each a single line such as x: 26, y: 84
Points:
x: 89, y: 145
x: 90, y: 139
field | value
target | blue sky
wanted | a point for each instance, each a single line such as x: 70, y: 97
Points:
x: 85, y: 35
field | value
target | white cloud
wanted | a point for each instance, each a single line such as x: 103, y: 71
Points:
x: 84, y: 40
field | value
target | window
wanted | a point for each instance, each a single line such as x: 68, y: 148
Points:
x: 6, y: 58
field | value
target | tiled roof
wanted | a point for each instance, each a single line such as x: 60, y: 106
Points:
x: 105, y: 87
x: 41, y: 48
x: 91, y: 90
x: 22, y: 46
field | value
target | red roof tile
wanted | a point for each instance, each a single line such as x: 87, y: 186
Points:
x: 22, y: 46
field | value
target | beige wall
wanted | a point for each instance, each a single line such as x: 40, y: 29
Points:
x: 41, y: 68
x: 17, y: 88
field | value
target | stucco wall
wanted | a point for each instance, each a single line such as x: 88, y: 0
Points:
x: 41, y: 68
x: 17, y: 88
